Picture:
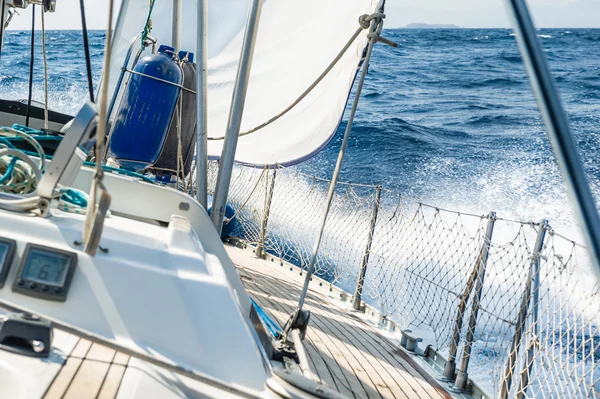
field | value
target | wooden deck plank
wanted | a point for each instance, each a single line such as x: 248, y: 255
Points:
x: 405, y: 379
x: 360, y: 353
x: 91, y: 371
x: 88, y: 380
x: 355, y: 361
x: 100, y: 353
x: 366, y: 342
x: 121, y: 358
x: 413, y: 384
x: 81, y: 349
x: 325, y: 374
x: 325, y: 347
x: 317, y: 363
x: 342, y: 353
x: 63, y: 379
x: 111, y: 384
x: 345, y: 321
x: 337, y: 374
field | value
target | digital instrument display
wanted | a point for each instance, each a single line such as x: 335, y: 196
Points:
x: 45, y: 272
x: 46, y: 268
x: 7, y: 252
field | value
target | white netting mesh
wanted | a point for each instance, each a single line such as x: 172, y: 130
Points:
x: 423, y: 271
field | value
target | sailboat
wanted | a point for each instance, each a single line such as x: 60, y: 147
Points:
x: 113, y: 268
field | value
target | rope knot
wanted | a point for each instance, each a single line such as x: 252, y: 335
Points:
x: 373, y: 35
x: 365, y: 19
x: 362, y: 21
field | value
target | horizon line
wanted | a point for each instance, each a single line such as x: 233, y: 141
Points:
x: 393, y: 27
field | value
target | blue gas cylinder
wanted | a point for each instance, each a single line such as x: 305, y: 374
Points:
x: 145, y: 113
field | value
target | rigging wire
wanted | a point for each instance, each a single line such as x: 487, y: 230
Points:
x: 2, y: 26
x: 45, y: 71
x: 31, y: 62
x: 86, y: 47
x: 376, y: 25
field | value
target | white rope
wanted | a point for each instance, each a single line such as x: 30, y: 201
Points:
x: 364, y: 22
x: 25, y: 172
x: 45, y: 70
x: 25, y: 175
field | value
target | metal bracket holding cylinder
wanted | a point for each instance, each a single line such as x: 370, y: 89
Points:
x: 49, y: 5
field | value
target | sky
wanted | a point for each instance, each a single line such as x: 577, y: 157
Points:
x: 464, y: 13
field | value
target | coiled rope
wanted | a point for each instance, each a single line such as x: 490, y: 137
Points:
x: 20, y: 174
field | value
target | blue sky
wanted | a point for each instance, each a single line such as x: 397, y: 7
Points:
x: 465, y: 13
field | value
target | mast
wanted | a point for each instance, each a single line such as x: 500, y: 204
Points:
x: 201, y: 106
x: 176, y: 25
x: 235, y: 116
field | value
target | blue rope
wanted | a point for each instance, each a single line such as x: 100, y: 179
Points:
x: 28, y: 130
x: 92, y: 164
x: 273, y: 328
x: 7, y: 142
x: 42, y: 136
x: 147, y: 27
x: 123, y: 172
x: 74, y: 197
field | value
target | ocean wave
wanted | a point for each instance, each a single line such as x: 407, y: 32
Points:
x: 512, y: 57
x: 492, y: 120
x: 493, y: 82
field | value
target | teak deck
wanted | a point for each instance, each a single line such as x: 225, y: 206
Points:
x: 91, y: 371
x: 345, y: 352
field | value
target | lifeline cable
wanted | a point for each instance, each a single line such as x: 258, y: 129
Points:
x: 86, y: 47
x: 45, y: 71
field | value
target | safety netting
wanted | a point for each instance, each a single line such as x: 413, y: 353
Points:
x: 512, y: 302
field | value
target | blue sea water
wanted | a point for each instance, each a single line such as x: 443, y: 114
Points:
x: 448, y: 117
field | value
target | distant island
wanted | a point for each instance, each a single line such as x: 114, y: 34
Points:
x: 432, y: 26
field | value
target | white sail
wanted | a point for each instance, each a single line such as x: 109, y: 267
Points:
x: 297, y: 40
